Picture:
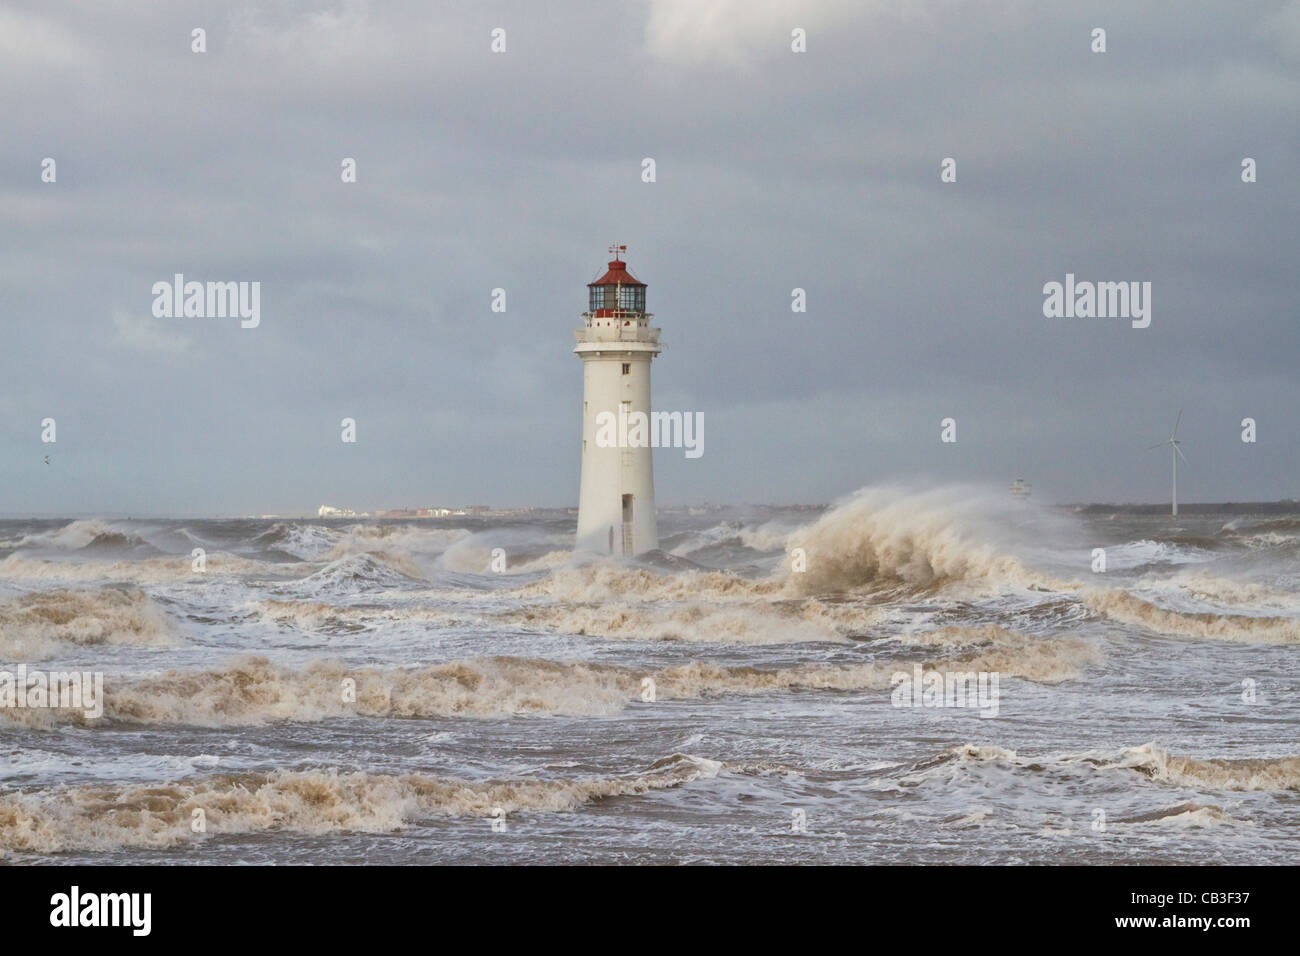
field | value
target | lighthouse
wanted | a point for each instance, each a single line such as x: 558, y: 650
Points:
x: 616, y: 504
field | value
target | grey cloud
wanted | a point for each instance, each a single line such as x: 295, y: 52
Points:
x: 775, y: 170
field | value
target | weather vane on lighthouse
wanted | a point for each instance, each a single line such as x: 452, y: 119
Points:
x: 616, y: 503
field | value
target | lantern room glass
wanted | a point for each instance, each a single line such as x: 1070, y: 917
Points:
x: 625, y: 298
x: 631, y: 298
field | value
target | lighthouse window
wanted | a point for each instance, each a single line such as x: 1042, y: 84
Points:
x: 628, y: 298
x: 627, y: 368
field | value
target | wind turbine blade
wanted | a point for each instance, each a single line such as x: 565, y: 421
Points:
x: 1161, y: 444
x: 1177, y: 422
x: 1180, y: 452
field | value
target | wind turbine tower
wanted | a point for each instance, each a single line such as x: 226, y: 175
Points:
x: 1174, y: 453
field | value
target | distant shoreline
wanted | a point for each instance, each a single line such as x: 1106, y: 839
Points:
x: 1287, y: 507
x: 1196, y: 508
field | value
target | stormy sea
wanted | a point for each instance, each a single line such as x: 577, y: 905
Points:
x: 469, y: 690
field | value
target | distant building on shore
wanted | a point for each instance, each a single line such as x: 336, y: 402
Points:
x: 325, y: 511
x: 474, y: 511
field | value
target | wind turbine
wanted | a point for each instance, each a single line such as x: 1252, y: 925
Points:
x: 1175, y: 453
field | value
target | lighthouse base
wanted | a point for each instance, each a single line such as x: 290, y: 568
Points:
x: 621, y: 525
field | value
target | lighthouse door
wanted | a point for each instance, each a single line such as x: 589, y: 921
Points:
x: 628, y: 550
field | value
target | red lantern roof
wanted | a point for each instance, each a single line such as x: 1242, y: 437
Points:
x: 617, y: 275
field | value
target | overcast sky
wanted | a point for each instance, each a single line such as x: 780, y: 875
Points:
x: 775, y: 170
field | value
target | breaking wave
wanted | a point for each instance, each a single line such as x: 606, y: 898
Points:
x: 41, y: 624
x: 1211, y: 587
x: 84, y: 534
x: 884, y: 537
x: 605, y: 581
x: 314, y: 801
x: 370, y: 571
x: 771, y: 623
x: 147, y: 571
x: 779, y: 622
x: 1148, y: 760
x: 1213, y: 773
x: 768, y: 537
x: 305, y: 542
x: 394, y: 539
x: 1183, y: 814
x: 473, y: 554
x: 252, y: 690
x: 1136, y: 554
x: 1245, y: 526
x: 1122, y: 606
x: 322, y: 616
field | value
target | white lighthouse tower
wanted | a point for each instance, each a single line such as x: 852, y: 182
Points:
x: 616, y: 506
